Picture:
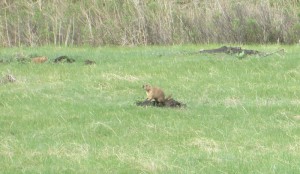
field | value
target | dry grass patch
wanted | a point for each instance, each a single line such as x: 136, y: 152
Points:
x: 7, y: 147
x: 205, y: 144
x: 73, y: 151
x: 297, y: 117
x: 232, y: 102
x: 138, y: 159
x: 123, y: 77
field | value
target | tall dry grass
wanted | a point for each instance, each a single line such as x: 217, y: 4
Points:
x: 142, y: 22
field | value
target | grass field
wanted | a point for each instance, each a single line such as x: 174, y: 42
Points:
x: 242, y: 115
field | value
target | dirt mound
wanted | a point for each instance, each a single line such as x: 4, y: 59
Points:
x: 62, y: 59
x: 231, y: 50
x: 170, y: 102
x: 89, y: 62
x: 242, y: 52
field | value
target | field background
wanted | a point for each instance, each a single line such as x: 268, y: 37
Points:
x: 241, y: 115
x: 144, y: 22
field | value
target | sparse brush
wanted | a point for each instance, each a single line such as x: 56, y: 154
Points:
x: 134, y: 22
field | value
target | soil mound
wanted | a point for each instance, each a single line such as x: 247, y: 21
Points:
x: 170, y: 102
x: 62, y: 59
x: 231, y: 50
x: 89, y: 62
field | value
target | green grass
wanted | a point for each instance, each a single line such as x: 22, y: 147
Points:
x: 73, y: 118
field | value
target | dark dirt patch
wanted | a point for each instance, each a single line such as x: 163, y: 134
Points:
x: 231, y: 50
x: 62, y: 59
x: 89, y: 62
x: 170, y: 102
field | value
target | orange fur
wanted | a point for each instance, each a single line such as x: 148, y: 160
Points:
x: 39, y: 59
x: 154, y: 93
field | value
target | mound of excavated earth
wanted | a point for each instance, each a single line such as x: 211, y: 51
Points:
x: 61, y: 59
x: 230, y: 50
x: 168, y: 103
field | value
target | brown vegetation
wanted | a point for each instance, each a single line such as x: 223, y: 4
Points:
x: 132, y: 22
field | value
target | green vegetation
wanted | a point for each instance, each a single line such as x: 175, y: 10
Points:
x: 148, y: 22
x: 241, y: 116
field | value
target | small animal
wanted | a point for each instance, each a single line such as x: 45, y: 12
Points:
x: 39, y: 59
x: 154, y: 93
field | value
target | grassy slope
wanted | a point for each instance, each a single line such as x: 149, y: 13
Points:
x: 73, y: 118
